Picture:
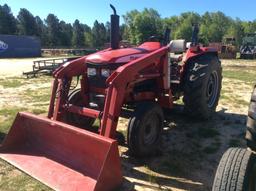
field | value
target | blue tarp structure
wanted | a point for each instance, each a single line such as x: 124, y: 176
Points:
x: 12, y: 46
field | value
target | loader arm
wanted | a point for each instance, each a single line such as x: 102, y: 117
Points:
x: 115, y: 93
x: 73, y: 68
x: 119, y: 80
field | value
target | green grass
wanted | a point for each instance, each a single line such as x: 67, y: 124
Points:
x: 38, y: 95
x: 9, y: 115
x: 14, y: 179
x: 12, y: 82
x: 233, y: 99
x: 243, y: 75
x: 39, y: 111
x: 10, y: 111
x: 205, y: 138
x: 5, y: 125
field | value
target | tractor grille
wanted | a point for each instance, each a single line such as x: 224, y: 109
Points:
x: 98, y: 80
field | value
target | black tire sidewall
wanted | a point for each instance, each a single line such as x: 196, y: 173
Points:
x: 75, y: 119
x: 136, y: 130
x: 235, y: 171
x: 250, y: 174
x: 251, y: 122
x: 195, y: 99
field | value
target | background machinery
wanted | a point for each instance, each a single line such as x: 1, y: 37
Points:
x: 227, y: 49
x: 248, y: 47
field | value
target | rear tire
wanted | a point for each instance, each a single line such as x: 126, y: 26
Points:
x: 80, y: 121
x: 251, y: 122
x: 145, y: 129
x: 236, y: 171
x: 202, y: 86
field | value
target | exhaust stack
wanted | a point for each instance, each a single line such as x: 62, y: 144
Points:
x: 114, y: 32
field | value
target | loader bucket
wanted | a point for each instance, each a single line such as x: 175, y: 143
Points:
x: 62, y: 156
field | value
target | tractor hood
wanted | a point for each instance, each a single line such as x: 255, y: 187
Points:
x: 123, y: 55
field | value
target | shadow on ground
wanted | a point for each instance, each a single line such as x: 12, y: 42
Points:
x: 189, y: 153
x: 2, y: 135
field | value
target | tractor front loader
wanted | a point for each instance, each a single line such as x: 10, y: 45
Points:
x: 66, y: 152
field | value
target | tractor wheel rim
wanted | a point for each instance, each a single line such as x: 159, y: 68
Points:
x: 150, y: 130
x: 212, y: 89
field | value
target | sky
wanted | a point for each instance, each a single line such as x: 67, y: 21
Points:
x: 87, y: 11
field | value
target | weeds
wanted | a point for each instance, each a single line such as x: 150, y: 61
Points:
x: 14, y: 179
x: 11, y: 83
x: 243, y: 75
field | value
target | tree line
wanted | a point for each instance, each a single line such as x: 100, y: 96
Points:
x: 138, y: 27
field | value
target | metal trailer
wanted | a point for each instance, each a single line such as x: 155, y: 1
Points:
x: 47, y: 66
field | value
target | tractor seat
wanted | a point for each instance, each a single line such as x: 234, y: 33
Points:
x: 176, y: 49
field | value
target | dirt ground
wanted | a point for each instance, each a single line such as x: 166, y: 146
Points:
x: 190, y: 149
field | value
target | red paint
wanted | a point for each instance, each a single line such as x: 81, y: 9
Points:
x: 83, y: 111
x: 62, y: 156
x: 67, y: 158
x: 129, y: 53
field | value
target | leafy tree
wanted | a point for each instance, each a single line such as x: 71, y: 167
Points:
x: 138, y: 27
x: 214, y: 26
x: 41, y: 30
x: 85, y: 27
x: 88, y: 39
x: 26, y: 23
x: 66, y: 33
x: 143, y: 24
x: 53, y: 31
x: 129, y: 22
x: 99, y: 34
x: 78, y: 35
x: 186, y: 20
x: 108, y: 30
x: 7, y: 20
x: 249, y: 27
x: 236, y: 30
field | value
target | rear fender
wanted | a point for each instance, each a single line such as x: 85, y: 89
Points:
x: 192, y: 53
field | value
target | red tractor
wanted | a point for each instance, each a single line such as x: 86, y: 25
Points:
x: 66, y: 152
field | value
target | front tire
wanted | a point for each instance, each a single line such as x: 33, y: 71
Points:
x: 202, y: 86
x: 236, y: 171
x: 80, y: 121
x: 145, y: 129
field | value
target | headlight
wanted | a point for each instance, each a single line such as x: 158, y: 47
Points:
x: 105, y: 73
x: 91, y: 71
